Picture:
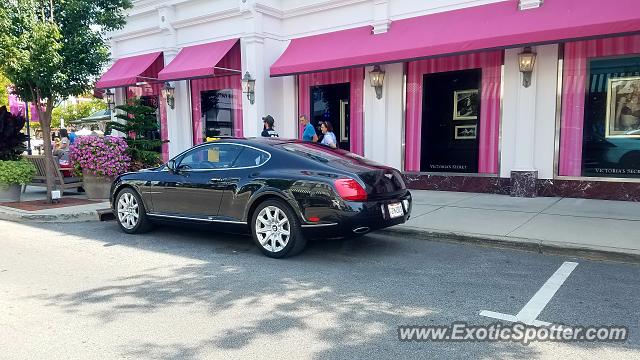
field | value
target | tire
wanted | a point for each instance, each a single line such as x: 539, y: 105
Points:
x: 130, y: 212
x: 276, y: 215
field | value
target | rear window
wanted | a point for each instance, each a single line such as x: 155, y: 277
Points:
x: 325, y: 154
x: 250, y: 157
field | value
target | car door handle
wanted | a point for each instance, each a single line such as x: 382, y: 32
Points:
x: 219, y: 180
x: 223, y: 180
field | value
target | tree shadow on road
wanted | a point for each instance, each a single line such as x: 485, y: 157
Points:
x: 339, y: 299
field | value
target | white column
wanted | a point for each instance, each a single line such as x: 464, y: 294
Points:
x: 525, y: 121
x: 179, y: 125
x: 383, y: 117
x: 252, y: 53
x: 528, y: 119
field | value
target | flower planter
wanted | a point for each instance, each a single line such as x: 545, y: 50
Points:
x: 9, y: 192
x: 96, y: 187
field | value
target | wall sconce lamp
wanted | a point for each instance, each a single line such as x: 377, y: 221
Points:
x: 249, y: 87
x: 526, y: 61
x: 168, y: 91
x: 111, y: 99
x: 376, y: 77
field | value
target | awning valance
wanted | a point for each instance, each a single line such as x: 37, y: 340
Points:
x: 131, y: 70
x: 200, y: 61
x: 492, y: 26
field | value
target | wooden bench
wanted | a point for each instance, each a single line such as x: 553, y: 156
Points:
x: 40, y: 179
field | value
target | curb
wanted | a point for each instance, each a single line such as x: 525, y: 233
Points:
x: 83, y: 216
x: 516, y: 243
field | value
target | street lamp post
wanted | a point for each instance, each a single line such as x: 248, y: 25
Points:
x: 26, y: 112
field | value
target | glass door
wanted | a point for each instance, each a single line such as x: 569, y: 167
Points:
x: 331, y: 103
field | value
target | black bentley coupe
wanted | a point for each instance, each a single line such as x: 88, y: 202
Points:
x: 285, y: 190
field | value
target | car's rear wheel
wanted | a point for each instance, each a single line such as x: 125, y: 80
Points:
x: 276, y: 229
x: 130, y: 212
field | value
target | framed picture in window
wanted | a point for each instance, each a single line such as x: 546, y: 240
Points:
x: 466, y: 132
x: 465, y: 104
x: 623, y: 107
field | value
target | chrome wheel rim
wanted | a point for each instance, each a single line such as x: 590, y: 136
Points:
x: 128, y: 211
x: 273, y: 229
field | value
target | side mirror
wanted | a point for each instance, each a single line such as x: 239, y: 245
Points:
x: 171, y: 165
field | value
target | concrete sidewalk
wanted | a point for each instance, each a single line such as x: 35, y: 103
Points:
x: 601, y: 225
x: 72, y: 213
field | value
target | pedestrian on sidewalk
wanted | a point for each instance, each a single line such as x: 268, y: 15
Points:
x: 309, y: 133
x: 268, y: 130
x: 329, y: 138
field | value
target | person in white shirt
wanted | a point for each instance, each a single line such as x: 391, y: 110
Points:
x: 329, y: 138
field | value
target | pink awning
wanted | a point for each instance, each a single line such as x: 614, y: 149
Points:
x: 131, y: 70
x: 492, y: 26
x: 198, y: 61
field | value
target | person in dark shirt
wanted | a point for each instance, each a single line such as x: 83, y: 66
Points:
x: 268, y: 130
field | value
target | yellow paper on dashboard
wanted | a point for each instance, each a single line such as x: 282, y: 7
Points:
x: 213, y: 155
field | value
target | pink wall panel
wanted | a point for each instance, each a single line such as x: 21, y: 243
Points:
x: 17, y: 107
x: 491, y: 63
x: 574, y: 83
x: 354, y: 76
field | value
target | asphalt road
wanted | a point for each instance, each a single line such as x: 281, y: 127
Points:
x: 88, y: 291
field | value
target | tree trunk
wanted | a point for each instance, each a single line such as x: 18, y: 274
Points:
x: 45, y: 124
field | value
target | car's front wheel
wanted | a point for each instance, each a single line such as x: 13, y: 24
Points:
x: 130, y: 212
x: 276, y: 229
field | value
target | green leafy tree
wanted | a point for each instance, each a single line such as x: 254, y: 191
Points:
x: 138, y: 122
x: 77, y: 111
x: 4, y: 93
x: 52, y: 49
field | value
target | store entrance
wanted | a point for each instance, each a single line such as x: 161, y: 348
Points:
x: 331, y: 103
x: 451, y: 121
x: 217, y: 113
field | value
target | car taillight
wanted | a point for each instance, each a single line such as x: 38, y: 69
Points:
x: 350, y: 190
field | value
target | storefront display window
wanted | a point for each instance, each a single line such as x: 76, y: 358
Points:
x: 600, y: 122
x: 611, y: 141
x: 216, y: 107
x: 217, y: 113
x: 453, y: 114
x: 451, y: 121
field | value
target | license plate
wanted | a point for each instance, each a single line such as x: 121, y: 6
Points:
x: 395, y: 210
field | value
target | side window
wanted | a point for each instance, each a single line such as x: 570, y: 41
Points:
x: 213, y: 156
x: 251, y: 157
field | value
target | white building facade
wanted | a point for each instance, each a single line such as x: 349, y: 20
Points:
x: 457, y: 108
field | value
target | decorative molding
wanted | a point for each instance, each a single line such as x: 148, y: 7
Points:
x: 151, y: 30
x: 462, y: 4
x: 213, y: 16
x: 318, y: 7
x: 381, y: 22
x: 269, y: 10
x: 529, y: 4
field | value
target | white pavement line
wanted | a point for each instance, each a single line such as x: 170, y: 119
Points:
x: 534, y: 307
x: 540, y: 299
x: 499, y: 316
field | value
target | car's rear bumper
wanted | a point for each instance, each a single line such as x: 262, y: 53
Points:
x: 353, y: 218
